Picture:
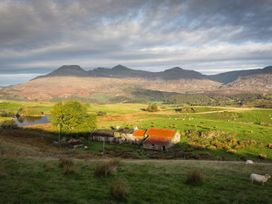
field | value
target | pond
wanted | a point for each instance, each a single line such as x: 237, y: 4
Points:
x: 31, y: 120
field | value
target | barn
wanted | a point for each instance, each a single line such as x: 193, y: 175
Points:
x: 103, y: 135
x: 160, y: 139
x: 139, y: 136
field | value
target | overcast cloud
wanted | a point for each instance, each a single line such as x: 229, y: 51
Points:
x: 210, y: 36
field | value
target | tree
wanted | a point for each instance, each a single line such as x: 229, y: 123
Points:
x: 152, y: 107
x: 72, y: 117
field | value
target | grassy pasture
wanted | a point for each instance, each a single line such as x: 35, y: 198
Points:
x: 14, y: 106
x: 30, y: 171
x: 42, y: 181
x: 243, y: 123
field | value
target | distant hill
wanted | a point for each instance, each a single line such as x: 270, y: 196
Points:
x: 175, y: 73
x: 121, y: 71
x: 121, y: 83
x: 228, y: 77
x: 67, y: 70
x: 258, y: 83
x: 50, y: 88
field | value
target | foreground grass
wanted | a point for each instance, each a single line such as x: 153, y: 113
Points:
x: 43, y: 181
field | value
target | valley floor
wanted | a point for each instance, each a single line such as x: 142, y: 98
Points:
x: 207, y: 132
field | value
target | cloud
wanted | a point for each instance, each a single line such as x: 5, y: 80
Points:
x: 209, y: 36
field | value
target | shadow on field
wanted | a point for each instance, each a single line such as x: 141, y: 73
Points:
x: 47, y: 142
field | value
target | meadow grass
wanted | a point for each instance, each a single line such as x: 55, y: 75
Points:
x: 43, y: 181
x: 14, y: 106
x: 244, y: 123
x: 30, y: 170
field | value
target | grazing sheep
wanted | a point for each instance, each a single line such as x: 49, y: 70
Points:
x: 249, y: 162
x: 259, y: 178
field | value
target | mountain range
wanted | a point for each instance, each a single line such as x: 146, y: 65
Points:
x: 175, y: 73
x: 120, y: 83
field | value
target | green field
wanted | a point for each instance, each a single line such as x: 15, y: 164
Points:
x: 43, y: 181
x: 249, y: 129
x: 30, y: 170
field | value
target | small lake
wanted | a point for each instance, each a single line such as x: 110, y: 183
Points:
x: 31, y: 120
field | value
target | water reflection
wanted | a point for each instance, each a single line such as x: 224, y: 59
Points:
x: 31, y: 120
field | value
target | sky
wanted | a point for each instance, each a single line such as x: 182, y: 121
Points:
x: 209, y: 36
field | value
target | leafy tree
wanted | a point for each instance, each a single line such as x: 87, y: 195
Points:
x: 152, y: 107
x: 72, y: 117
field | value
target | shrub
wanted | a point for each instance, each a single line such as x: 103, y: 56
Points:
x: 194, y: 178
x: 8, y: 124
x: 6, y: 114
x: 262, y: 156
x: 66, y: 165
x: 101, y: 113
x: 3, y: 172
x: 106, y: 168
x: 48, y: 167
x: 232, y: 151
x: 152, y: 108
x: 269, y: 146
x: 119, y: 189
x: 226, y: 148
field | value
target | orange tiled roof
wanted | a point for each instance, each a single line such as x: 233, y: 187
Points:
x: 159, y: 136
x: 139, y: 133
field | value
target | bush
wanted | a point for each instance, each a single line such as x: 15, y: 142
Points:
x: 66, y: 165
x: 6, y: 114
x: 194, y: 178
x: 8, y: 124
x: 3, y: 172
x: 48, y: 167
x: 269, y: 145
x: 262, y: 156
x: 119, y: 189
x: 231, y: 151
x: 101, y: 113
x: 28, y: 111
x: 152, y: 108
x: 106, y: 168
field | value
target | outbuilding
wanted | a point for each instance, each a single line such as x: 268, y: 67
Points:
x: 160, y: 139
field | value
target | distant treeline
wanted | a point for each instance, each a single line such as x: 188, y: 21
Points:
x: 254, y: 100
x: 146, y: 96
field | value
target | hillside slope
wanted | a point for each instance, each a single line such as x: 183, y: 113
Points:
x: 47, y: 88
x: 175, y: 73
x: 260, y: 83
x: 228, y: 77
x: 120, y: 71
x: 70, y: 81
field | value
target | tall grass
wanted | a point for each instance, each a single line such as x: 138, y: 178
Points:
x: 194, y: 178
x: 67, y: 165
x: 107, y: 168
x: 119, y: 189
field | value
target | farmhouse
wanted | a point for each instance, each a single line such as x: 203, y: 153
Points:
x: 139, y: 136
x: 152, y: 138
x: 103, y: 135
x: 160, y: 139
x: 108, y: 135
x: 124, y: 134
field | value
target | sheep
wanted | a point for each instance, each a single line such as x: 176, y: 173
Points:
x: 259, y: 178
x: 249, y: 162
